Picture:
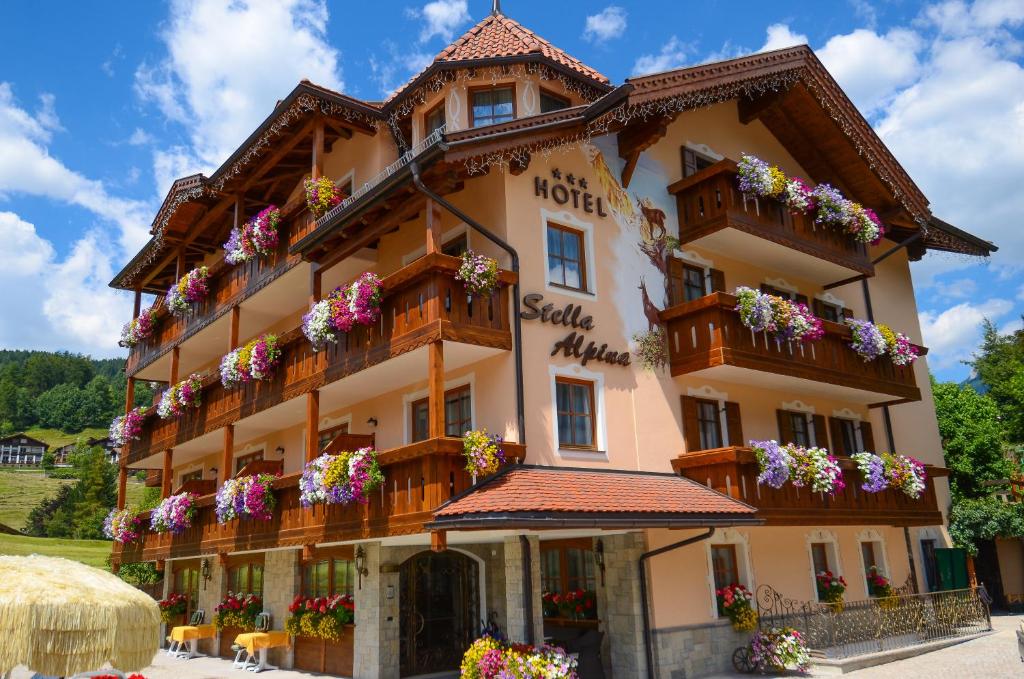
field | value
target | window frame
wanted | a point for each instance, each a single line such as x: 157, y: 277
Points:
x: 241, y: 460
x: 545, y: 92
x: 345, y: 555
x: 581, y: 237
x: 592, y: 396
x: 717, y: 422
x: 249, y: 564
x: 699, y: 271
x: 562, y: 547
x: 439, y: 107
x: 466, y: 387
x: 698, y: 159
x: 325, y: 436
x: 734, y: 556
x: 805, y: 423
x: 194, y: 475
x: 471, y: 94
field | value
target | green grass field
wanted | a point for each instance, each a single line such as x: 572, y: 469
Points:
x: 55, y: 438
x: 90, y: 552
x: 22, y: 489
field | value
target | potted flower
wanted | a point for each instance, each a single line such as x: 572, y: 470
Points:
x: 831, y: 589
x: 887, y: 470
x: 549, y: 604
x: 123, y: 525
x: 184, y: 395
x: 342, y: 309
x: 778, y: 649
x: 318, y: 626
x: 578, y: 604
x: 191, y: 288
x: 249, y: 497
x: 173, y: 607
x: 349, y: 476
x: 651, y: 349
x: 478, y: 273
x: 321, y: 195
x: 814, y: 467
x: 734, y: 603
x: 174, y: 514
x: 490, y: 658
x: 872, y: 341
x: 138, y: 329
x: 237, y: 612
x: 254, y: 361
x: 783, y: 319
x: 257, y: 237
x: 127, y: 427
x: 483, y: 452
x: 878, y: 584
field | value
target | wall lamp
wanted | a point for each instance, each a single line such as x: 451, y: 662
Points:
x: 372, y: 421
x: 279, y: 450
x: 599, y: 558
x: 204, y: 571
x: 361, y: 565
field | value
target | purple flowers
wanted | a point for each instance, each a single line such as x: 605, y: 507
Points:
x: 775, y: 461
x: 342, y: 309
x: 191, y: 288
x: 812, y: 467
x: 122, y: 525
x: 872, y: 341
x: 786, y: 320
x: 246, y: 497
x: 174, y: 514
x: 185, y: 394
x: 255, y: 361
x: 257, y: 237
x: 127, y: 427
x: 321, y: 195
x: 339, y: 479
x: 138, y: 329
x: 479, y: 273
x: 891, y: 471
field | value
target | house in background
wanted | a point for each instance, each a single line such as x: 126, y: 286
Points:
x: 22, y: 450
x: 62, y: 454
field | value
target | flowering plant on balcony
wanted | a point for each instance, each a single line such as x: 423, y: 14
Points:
x: 185, y: 394
x: 249, y: 497
x: 123, y: 525
x: 254, y: 361
x: 483, y: 452
x: 349, y: 476
x: 238, y: 610
x: 775, y: 461
x: 191, y: 288
x: 127, y: 427
x: 321, y: 195
x: 779, y: 648
x: 734, y: 602
x: 174, y: 514
x: 491, y: 658
x: 831, y: 589
x: 342, y: 309
x: 652, y: 349
x: 479, y: 273
x: 784, y: 319
x: 814, y: 467
x: 256, y: 238
x: 872, y: 340
x: 888, y: 470
x: 320, y: 617
x: 172, y: 607
x: 138, y: 329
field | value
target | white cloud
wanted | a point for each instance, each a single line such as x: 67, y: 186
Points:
x: 140, y: 137
x: 30, y: 253
x: 952, y: 335
x: 673, y: 54
x: 872, y: 67
x: 441, y: 18
x: 607, y: 24
x: 395, y: 67
x: 227, y: 63
x: 779, y: 36
x: 961, y: 288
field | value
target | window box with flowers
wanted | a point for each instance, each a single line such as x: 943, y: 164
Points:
x: 234, y: 615
x: 323, y: 632
x: 734, y: 602
x: 172, y: 609
x: 831, y: 588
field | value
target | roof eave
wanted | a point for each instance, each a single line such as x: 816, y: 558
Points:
x: 982, y: 247
x: 540, y: 520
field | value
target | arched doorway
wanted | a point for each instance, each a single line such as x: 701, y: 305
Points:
x: 440, y: 611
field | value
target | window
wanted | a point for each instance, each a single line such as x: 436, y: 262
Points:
x: 801, y: 432
x: 819, y: 557
x: 575, y: 406
x: 830, y: 312
x: 328, y: 577
x: 848, y: 430
x: 197, y: 475
x: 243, y: 460
x: 724, y: 566
x: 246, y: 578
x: 325, y: 436
x: 491, y: 105
x: 693, y: 283
x: 566, y: 260
x: 694, y: 162
x: 458, y: 414
x: 434, y: 119
x: 457, y: 246
x: 186, y: 581
x: 569, y: 566
x: 778, y: 292
x: 710, y: 422
x: 552, y: 102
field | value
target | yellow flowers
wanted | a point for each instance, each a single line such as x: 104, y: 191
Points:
x: 778, y: 180
x: 744, y: 620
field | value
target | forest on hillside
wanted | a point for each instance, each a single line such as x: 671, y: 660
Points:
x: 61, y: 390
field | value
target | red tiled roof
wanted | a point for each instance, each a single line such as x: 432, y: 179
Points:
x: 527, y: 491
x: 499, y: 36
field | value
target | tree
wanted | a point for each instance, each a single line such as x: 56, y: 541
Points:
x: 977, y: 520
x: 62, y: 407
x: 972, y: 440
x: 1000, y: 365
x: 78, y: 510
x: 49, y: 460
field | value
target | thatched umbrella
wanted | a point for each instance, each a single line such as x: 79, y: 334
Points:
x: 61, y: 617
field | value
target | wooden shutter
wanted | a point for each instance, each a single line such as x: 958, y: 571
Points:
x: 734, y: 423
x: 691, y: 428
x: 835, y: 427
x: 820, y: 432
x: 689, y: 162
x: 717, y: 280
x: 867, y: 436
x: 676, y: 274
x: 785, y: 426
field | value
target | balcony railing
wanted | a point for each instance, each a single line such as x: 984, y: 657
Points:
x: 417, y: 479
x: 422, y: 302
x: 710, y: 200
x: 228, y: 285
x: 707, y: 332
x: 734, y: 471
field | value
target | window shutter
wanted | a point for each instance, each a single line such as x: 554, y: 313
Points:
x: 867, y: 436
x: 675, y: 281
x: 835, y: 427
x: 847, y: 313
x: 734, y: 423
x: 689, y: 162
x: 820, y: 433
x: 717, y: 280
x: 800, y: 299
x: 785, y: 426
x: 691, y: 428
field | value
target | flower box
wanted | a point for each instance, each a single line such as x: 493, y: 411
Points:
x: 327, y: 656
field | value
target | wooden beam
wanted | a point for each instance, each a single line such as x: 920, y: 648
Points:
x: 282, y: 150
x: 349, y: 246
x: 236, y: 314
x: 438, y: 540
x: 637, y: 138
x: 138, y: 303
x: 433, y: 227
x: 803, y: 150
x: 627, y: 170
x: 179, y: 264
x: 519, y: 164
x: 227, y: 454
x: 175, y: 358
x: 167, y: 474
x: 193, y: 233
x: 122, y: 484
x: 316, y: 276
x: 129, y: 395
x: 312, y: 425
x: 318, y: 149
x: 435, y: 389
x: 750, y: 109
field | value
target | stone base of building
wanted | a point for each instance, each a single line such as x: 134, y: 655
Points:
x: 696, y: 650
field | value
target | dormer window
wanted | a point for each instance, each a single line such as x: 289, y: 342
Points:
x: 491, y: 105
x: 552, y: 102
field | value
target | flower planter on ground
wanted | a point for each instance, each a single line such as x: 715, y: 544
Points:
x: 327, y: 656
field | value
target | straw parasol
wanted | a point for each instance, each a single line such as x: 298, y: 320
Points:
x: 61, y: 617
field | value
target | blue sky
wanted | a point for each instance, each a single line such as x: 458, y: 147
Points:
x: 101, y: 109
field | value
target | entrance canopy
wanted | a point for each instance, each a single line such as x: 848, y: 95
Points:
x: 538, y: 498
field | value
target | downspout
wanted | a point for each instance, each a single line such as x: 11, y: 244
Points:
x: 645, y: 608
x: 517, y: 322
x: 524, y: 543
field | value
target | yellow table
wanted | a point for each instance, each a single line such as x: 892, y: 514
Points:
x: 256, y: 644
x: 187, y: 637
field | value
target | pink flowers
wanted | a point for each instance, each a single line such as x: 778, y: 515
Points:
x: 185, y: 394
x: 784, y: 319
x: 138, y: 329
x: 249, y: 497
x: 812, y: 467
x: 479, y: 273
x: 191, y: 288
x: 123, y: 526
x: 342, y: 309
x: 255, y: 361
x: 127, y: 427
x: 174, y: 514
x: 257, y: 237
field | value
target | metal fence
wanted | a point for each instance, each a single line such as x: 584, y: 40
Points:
x: 860, y: 627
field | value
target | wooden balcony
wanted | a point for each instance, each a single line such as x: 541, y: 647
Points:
x: 417, y: 478
x: 706, y: 337
x: 422, y: 302
x: 713, y: 213
x: 734, y: 471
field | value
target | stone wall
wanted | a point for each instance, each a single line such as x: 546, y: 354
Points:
x: 619, y: 606
x: 281, y: 580
x: 210, y: 594
x: 375, y: 653
x: 696, y: 650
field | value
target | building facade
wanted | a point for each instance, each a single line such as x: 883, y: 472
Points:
x: 19, y: 449
x: 615, y: 216
x: 110, y: 449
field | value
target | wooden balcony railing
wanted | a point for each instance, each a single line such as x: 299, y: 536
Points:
x: 707, y: 332
x: 710, y: 200
x: 229, y: 285
x: 417, y: 479
x: 734, y: 471
x: 422, y: 302
x: 257, y: 467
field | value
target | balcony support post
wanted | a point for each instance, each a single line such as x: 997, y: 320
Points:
x: 433, y: 227
x: 165, y: 478
x: 435, y: 389
x: 227, y: 454
x: 236, y: 313
x: 129, y: 395
x: 122, y: 483
x: 175, y: 356
x: 316, y: 275
x: 318, y: 149
x: 138, y: 303
x: 179, y: 264
x: 312, y: 425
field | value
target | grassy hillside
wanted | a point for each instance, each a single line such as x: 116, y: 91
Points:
x: 22, y: 490
x: 90, y: 552
x: 55, y: 438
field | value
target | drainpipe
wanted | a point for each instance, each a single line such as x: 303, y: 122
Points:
x: 645, y: 608
x: 524, y: 543
x: 516, y: 320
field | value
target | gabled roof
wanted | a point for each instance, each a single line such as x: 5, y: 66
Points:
x: 15, y: 439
